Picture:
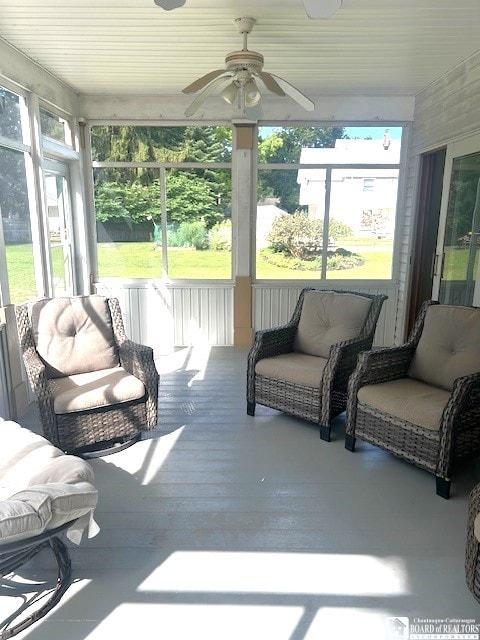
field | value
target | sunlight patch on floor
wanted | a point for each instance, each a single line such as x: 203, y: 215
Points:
x: 299, y: 573
x: 190, y: 621
x: 339, y: 623
x: 144, y: 459
x: 198, y: 361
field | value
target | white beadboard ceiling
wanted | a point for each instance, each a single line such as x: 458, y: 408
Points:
x: 369, y: 47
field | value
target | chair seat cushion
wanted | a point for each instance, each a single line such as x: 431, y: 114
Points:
x: 86, y: 391
x: 409, y: 400
x: 296, y: 368
x: 41, y: 488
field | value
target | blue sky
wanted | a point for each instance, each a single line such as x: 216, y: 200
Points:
x: 376, y: 133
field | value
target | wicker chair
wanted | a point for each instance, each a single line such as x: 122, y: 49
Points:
x: 302, y: 368
x: 472, y: 549
x: 421, y: 401
x: 96, y: 390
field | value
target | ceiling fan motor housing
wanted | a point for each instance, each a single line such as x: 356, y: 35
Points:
x: 249, y: 60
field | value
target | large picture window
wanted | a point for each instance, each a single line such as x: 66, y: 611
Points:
x: 326, y: 204
x: 14, y: 200
x: 164, y: 208
x: 17, y: 233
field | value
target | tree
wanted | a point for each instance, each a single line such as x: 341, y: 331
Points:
x: 14, y: 205
x: 190, y: 199
x: 284, y: 146
x: 189, y: 192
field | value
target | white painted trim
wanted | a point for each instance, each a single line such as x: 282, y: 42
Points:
x: 328, y: 109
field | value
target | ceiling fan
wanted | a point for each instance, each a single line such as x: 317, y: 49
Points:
x: 313, y: 8
x: 237, y: 82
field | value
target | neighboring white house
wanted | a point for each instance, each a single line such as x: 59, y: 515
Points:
x: 362, y: 198
x: 267, y: 211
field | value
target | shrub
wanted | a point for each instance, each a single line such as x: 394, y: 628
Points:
x: 192, y: 234
x: 338, y: 229
x: 220, y: 236
x: 336, y: 260
x: 296, y: 235
x: 299, y: 236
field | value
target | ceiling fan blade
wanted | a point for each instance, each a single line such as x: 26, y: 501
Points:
x: 294, y: 93
x: 321, y: 8
x: 168, y: 5
x: 203, y: 81
x: 202, y: 97
x: 271, y: 84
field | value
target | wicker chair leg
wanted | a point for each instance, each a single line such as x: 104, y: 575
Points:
x: 325, y: 432
x: 443, y: 487
x: 350, y: 442
x: 251, y: 408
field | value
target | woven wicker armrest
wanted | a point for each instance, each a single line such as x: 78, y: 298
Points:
x: 137, y: 359
x: 346, y: 353
x: 273, y: 342
x: 464, y: 403
x: 36, y: 372
x: 383, y: 364
x: 473, y: 508
x: 37, y: 377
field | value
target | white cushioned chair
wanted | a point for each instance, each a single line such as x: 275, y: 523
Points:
x: 421, y: 400
x: 302, y: 368
x: 43, y: 494
x: 96, y: 390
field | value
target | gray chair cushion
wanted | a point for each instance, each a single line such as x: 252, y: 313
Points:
x: 409, y: 400
x: 327, y: 318
x: 92, y: 390
x: 449, y: 346
x: 74, y: 335
x: 296, y: 368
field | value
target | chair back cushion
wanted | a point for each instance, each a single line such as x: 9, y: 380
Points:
x: 449, y: 346
x: 328, y: 317
x: 74, y: 335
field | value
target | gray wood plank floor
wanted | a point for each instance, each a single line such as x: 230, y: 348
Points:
x: 220, y: 526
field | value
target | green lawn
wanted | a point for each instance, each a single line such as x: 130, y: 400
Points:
x: 21, y: 274
x: 456, y: 264
x: 140, y: 260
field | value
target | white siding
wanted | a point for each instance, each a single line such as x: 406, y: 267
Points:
x: 164, y: 316
x: 446, y: 111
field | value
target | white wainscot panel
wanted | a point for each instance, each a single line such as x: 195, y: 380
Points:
x: 165, y: 316
x: 274, y: 304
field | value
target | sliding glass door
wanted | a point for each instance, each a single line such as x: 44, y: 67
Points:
x: 457, y: 279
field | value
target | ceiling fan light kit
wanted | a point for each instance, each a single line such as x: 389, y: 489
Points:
x: 230, y: 93
x: 237, y: 81
x: 168, y: 5
x: 322, y: 9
